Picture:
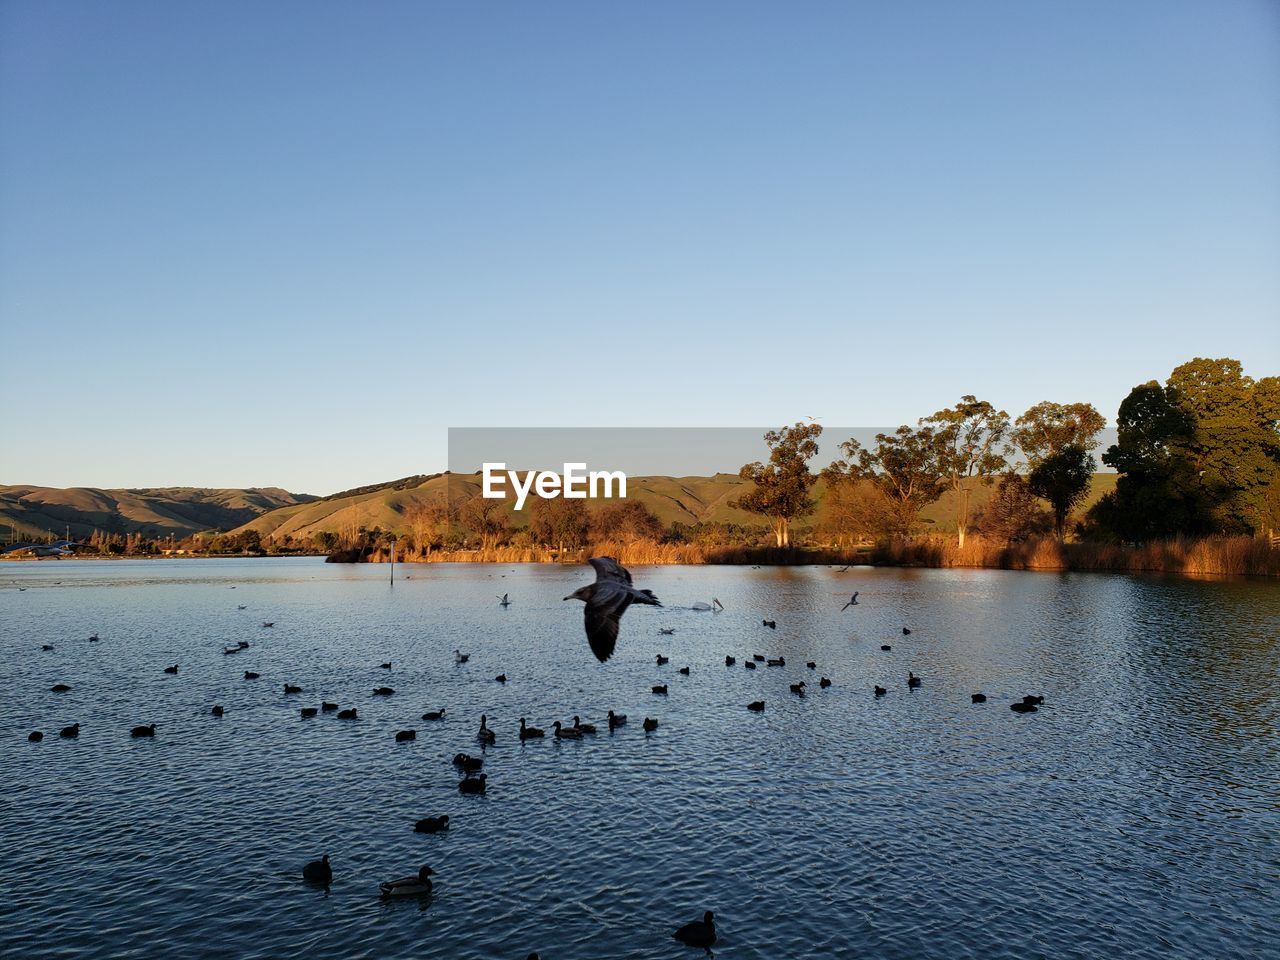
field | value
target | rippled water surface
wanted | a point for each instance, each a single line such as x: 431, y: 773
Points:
x: 1136, y: 814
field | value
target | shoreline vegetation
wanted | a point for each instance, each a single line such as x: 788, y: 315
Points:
x: 1195, y: 490
x: 1226, y: 556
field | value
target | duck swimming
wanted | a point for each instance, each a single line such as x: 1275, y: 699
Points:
x: 309, y: 711
x: 529, y: 733
x: 776, y: 662
x: 798, y: 688
x: 662, y: 659
x: 404, y: 736
x: 885, y: 647
x: 467, y: 763
x: 348, y: 714
x: 650, y: 724
x: 912, y: 680
x: 148, y: 731
x: 434, y: 714
x: 584, y: 727
x: 824, y: 683
x: 660, y: 689
x: 70, y: 732
x: 484, y: 734
x: 750, y: 664
x: 978, y: 698
x: 699, y: 933
x: 566, y: 733
x: 881, y: 691
x: 729, y: 661
x: 59, y: 688
x: 756, y: 706
x: 473, y: 784
x: 328, y: 707
x: 616, y: 720
x: 318, y: 871
x: 290, y: 688
x: 432, y: 824
x: 250, y: 675
x: 382, y: 691
x: 415, y: 886
x: 217, y: 710
x: 172, y: 669
x: 501, y: 678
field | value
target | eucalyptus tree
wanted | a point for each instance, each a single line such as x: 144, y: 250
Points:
x: 1048, y: 427
x: 972, y: 448
x: 781, y: 487
x: 905, y: 465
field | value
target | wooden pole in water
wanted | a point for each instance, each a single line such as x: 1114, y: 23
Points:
x: 393, y: 561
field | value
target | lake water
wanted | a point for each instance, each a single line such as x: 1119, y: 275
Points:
x: 1136, y: 814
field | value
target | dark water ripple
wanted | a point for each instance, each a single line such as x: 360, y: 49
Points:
x: 1136, y: 815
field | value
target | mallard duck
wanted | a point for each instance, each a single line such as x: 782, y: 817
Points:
x: 650, y: 724
x: 824, y: 683
x: 501, y: 678
x: 660, y: 689
x: 384, y: 666
x: 35, y: 736
x: 881, y: 691
x: 700, y: 933
x: 756, y: 705
x: 328, y: 707
x: 885, y: 647
x: 434, y: 714
x: 759, y: 657
x: 616, y: 720
x: 382, y: 691
x: 484, y: 734
x: 906, y: 632
x: 60, y: 688
x: 432, y: 824
x: 1023, y: 707
x: 348, y: 714
x: 147, y: 731
x: 404, y: 736
x: 529, y: 733
x: 662, y: 659
x: 913, y: 680
x: 70, y: 732
x: 318, y: 871
x: 416, y: 886
x: 729, y: 661
x: 812, y: 665
x: 250, y: 675
x: 978, y: 698
x: 584, y: 727
x: 217, y: 710
x: 291, y: 688
x: 460, y: 657
x: 684, y: 671
x: 467, y: 763
x: 776, y: 662
x: 750, y: 664
x: 172, y: 669
x: 771, y: 624
x: 798, y: 688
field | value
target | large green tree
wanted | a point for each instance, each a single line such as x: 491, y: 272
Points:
x: 781, y: 486
x: 1200, y: 454
x: 971, y: 438
x: 1063, y: 478
x: 906, y: 465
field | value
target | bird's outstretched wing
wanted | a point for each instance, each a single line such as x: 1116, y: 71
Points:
x: 607, y: 568
x: 609, y: 601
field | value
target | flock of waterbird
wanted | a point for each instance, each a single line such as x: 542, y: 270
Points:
x: 606, y: 600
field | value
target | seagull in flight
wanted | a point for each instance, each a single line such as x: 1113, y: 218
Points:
x: 853, y: 602
x: 607, y: 600
x: 503, y: 601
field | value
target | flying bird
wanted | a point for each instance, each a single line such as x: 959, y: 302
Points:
x: 607, y: 600
x: 853, y: 602
x: 503, y: 601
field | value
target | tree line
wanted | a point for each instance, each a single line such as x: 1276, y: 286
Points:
x: 1196, y: 455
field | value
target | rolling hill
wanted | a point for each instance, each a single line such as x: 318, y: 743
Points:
x: 672, y: 499
x: 156, y: 512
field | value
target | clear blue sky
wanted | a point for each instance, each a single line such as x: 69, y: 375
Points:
x: 291, y: 243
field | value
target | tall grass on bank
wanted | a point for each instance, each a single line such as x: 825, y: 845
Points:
x: 1206, y: 556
